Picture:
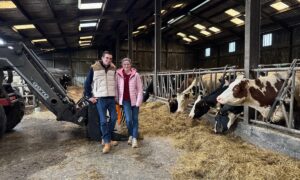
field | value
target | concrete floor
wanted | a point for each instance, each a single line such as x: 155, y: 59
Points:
x: 42, y: 148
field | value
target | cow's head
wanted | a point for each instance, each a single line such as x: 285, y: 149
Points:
x: 173, y: 104
x: 224, y: 122
x: 182, y: 99
x: 236, y: 93
x: 199, y: 109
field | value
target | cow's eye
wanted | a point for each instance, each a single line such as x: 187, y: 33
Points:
x: 236, y: 88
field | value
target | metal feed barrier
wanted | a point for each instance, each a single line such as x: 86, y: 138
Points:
x: 168, y: 83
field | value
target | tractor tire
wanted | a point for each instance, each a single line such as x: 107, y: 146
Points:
x: 2, y: 121
x: 14, y: 114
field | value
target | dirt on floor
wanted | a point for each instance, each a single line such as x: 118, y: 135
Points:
x: 43, y: 148
x: 174, y: 147
x: 211, y: 156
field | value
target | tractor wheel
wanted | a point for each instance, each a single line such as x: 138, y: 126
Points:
x: 14, y: 114
x: 2, y: 121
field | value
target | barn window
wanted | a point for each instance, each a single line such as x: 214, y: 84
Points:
x: 267, y: 40
x: 231, y: 47
x: 207, y: 52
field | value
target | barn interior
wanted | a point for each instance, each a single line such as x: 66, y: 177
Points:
x: 162, y: 38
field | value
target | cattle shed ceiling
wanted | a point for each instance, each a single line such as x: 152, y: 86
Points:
x: 59, y: 24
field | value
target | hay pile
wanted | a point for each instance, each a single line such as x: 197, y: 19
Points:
x: 212, y: 156
x: 75, y: 92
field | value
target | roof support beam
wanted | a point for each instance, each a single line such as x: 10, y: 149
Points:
x: 24, y: 12
x: 265, y: 14
x: 111, y: 16
x: 58, y: 24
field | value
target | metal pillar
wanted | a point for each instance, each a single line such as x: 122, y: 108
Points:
x: 157, y: 45
x: 291, y: 45
x: 117, y: 50
x: 130, y: 39
x: 252, y: 40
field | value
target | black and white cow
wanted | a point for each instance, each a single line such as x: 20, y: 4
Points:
x: 65, y: 81
x: 147, y: 91
x: 227, y: 114
x: 257, y: 93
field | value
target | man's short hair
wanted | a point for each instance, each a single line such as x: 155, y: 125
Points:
x: 106, y: 52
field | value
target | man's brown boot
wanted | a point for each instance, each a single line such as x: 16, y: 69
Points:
x: 114, y: 143
x: 106, y: 148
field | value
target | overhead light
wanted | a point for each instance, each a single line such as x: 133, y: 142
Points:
x: 237, y: 21
x: 88, y: 20
x: 86, y: 44
x: 2, y: 42
x: 10, y: 47
x: 86, y: 37
x: 163, y: 28
x: 199, y: 26
x: 193, y: 37
x: 187, y: 39
x: 39, y: 40
x: 84, y: 25
x: 181, y: 34
x: 85, y: 41
x: 89, y: 5
x: 7, y: 5
x: 232, y: 12
x: 24, y: 26
x: 280, y: 6
x: 135, y: 32
x: 177, y: 5
x: 163, y: 11
x: 91, y: 24
x: 47, y: 49
x: 214, y: 29
x: 198, y: 6
x: 142, y: 27
x: 206, y: 33
x: 153, y: 23
x: 175, y: 19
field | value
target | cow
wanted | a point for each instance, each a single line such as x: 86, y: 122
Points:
x: 147, y: 91
x: 173, y: 104
x: 226, y: 115
x: 207, y: 80
x: 203, y: 104
x: 259, y: 93
x: 65, y: 81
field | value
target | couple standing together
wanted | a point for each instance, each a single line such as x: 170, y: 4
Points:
x: 105, y: 86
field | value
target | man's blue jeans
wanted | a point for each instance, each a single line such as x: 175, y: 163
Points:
x: 131, y: 116
x: 104, y: 104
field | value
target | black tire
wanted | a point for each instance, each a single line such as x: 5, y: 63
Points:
x: 2, y: 121
x: 93, y: 125
x: 14, y: 114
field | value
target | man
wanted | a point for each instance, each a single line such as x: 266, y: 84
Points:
x: 99, y: 87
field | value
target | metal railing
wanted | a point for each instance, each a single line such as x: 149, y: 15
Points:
x: 169, y: 83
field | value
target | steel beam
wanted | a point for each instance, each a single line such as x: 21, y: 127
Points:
x: 130, y: 38
x: 157, y: 44
x: 252, y: 41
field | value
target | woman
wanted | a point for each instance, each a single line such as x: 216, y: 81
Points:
x: 130, y: 95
